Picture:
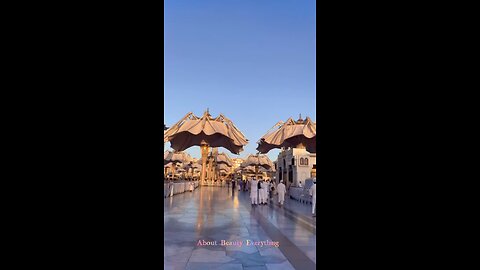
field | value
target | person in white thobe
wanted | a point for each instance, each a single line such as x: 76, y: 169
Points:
x: 171, y: 188
x: 313, y: 193
x: 281, y: 189
x: 254, y: 191
x: 191, y: 186
x: 264, y: 192
x: 260, y: 192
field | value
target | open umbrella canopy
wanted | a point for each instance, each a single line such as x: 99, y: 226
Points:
x: 193, y: 165
x: 224, y: 170
x: 192, y: 130
x: 172, y: 165
x: 176, y: 157
x: 224, y: 167
x: 300, y: 134
x: 223, y: 158
x: 250, y: 169
x: 259, y: 161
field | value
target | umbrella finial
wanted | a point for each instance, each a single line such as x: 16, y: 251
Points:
x: 300, y: 120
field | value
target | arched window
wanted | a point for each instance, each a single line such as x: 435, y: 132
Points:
x: 301, y: 161
x: 306, y: 161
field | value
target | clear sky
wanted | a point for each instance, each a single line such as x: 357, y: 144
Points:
x: 252, y: 60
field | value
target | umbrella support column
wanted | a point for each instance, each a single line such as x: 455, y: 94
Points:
x: 204, y: 149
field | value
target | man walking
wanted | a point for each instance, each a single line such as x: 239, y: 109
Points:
x: 253, y: 191
x: 281, y: 192
x: 264, y: 192
x: 260, y: 191
x: 171, y: 188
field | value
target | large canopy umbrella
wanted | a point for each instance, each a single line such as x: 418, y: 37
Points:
x: 223, y: 158
x: 295, y: 134
x: 251, y: 170
x: 247, y: 169
x: 171, y: 167
x: 223, y: 167
x: 205, y: 131
x: 223, y: 162
x: 176, y: 157
x: 257, y: 161
x: 192, y: 166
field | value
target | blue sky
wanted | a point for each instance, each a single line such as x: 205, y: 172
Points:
x: 253, y: 61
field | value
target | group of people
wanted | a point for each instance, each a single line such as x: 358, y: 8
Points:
x: 261, y: 192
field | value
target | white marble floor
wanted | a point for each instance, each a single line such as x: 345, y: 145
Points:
x: 213, y: 214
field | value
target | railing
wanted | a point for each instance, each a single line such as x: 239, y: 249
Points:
x: 302, y: 194
x: 179, y: 187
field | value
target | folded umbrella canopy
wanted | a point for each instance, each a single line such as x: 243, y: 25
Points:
x: 295, y: 134
x: 205, y: 131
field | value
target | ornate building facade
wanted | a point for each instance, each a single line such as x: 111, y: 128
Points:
x: 295, y: 165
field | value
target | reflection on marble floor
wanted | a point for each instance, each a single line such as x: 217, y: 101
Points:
x: 212, y: 214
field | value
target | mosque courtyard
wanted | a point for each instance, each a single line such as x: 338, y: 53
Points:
x: 211, y: 228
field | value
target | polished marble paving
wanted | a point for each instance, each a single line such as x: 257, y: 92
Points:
x: 212, y: 215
